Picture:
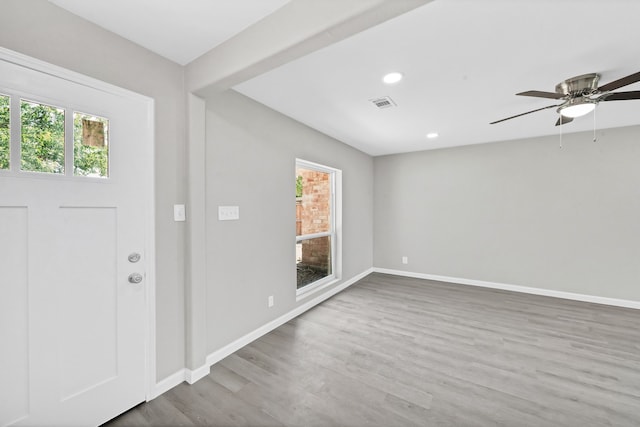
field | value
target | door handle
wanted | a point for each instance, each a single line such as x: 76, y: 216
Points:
x: 135, y: 278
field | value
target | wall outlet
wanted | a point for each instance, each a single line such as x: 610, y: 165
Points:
x: 405, y: 260
x: 270, y: 301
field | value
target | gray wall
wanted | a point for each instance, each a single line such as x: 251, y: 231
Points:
x: 41, y: 30
x: 250, y: 161
x: 521, y: 212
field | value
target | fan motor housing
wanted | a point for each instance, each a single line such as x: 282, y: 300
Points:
x: 579, y: 85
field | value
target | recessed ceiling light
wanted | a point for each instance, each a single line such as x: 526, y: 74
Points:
x: 392, y: 78
x: 432, y: 135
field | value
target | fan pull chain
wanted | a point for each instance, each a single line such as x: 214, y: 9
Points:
x: 595, y: 139
x: 560, y: 131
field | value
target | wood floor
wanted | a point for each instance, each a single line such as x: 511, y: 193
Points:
x: 394, y: 351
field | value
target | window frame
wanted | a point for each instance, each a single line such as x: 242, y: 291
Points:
x: 16, y: 97
x: 335, y: 232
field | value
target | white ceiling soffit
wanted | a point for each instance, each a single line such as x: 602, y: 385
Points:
x: 180, y: 30
x: 463, y: 62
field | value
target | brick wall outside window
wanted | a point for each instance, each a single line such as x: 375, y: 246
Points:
x: 313, y: 215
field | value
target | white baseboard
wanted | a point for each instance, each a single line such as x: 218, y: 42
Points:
x: 236, y: 345
x: 191, y: 376
x: 516, y: 288
x: 178, y: 377
x: 168, y: 383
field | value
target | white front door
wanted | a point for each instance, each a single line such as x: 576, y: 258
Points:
x: 73, y: 328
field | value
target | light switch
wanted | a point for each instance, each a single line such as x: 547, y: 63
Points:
x: 228, y: 213
x: 179, y: 213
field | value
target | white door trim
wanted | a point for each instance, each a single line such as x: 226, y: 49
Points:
x: 149, y: 185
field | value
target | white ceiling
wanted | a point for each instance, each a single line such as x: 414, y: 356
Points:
x: 178, y: 30
x: 463, y: 62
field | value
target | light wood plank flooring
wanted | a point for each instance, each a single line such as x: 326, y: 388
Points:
x: 395, y: 351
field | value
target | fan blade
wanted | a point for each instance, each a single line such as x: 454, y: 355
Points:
x: 540, y: 94
x: 562, y: 120
x: 622, y: 96
x: 620, y: 82
x: 522, y: 114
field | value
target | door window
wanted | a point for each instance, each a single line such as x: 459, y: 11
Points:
x: 43, y: 141
x: 90, y: 145
x: 42, y: 129
x: 5, y: 136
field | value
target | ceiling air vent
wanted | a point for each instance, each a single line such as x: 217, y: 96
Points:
x: 384, y: 102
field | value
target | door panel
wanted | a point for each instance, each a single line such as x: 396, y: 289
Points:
x: 14, y: 368
x: 75, y: 327
x: 88, y: 348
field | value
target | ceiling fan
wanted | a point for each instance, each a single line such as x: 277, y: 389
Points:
x: 581, y: 94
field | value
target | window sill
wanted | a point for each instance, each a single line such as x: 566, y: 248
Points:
x: 316, y: 287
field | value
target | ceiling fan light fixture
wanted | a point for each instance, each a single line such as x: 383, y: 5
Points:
x: 577, y: 108
x: 581, y: 94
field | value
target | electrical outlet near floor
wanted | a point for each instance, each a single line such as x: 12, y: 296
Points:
x: 405, y: 260
x: 270, y: 301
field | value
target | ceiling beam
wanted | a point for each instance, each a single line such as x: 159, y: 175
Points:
x: 297, y: 29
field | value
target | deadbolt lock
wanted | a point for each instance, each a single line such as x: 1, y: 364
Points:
x: 134, y: 257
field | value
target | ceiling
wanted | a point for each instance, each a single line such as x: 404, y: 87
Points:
x: 178, y: 30
x: 462, y: 60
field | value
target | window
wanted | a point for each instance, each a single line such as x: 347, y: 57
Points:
x: 316, y: 236
x: 43, y: 145
x: 5, y: 136
x: 90, y: 145
x: 42, y: 148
